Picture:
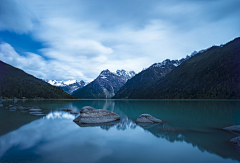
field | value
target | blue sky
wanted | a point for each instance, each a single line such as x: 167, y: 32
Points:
x: 77, y: 39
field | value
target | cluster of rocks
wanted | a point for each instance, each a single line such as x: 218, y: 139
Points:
x: 90, y: 115
x: 236, y: 130
x: 33, y: 110
x: 69, y: 110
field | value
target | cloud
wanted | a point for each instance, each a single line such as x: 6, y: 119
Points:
x: 16, y: 17
x: 81, y: 38
x: 37, y: 65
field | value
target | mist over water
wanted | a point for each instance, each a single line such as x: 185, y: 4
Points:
x: 191, y: 132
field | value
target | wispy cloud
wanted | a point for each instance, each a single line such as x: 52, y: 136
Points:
x: 81, y: 38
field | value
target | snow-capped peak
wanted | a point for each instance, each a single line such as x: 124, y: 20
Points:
x: 126, y: 74
x: 105, y: 72
x: 61, y: 83
x: 121, y: 73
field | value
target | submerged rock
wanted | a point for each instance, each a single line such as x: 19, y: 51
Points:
x: 236, y: 141
x: 73, y: 112
x: 12, y: 108
x: 23, y: 108
x: 1, y: 105
x: 90, y: 115
x: 65, y: 109
x: 109, y: 124
x: 235, y: 129
x: 147, y: 118
x: 39, y: 114
x: 35, y: 110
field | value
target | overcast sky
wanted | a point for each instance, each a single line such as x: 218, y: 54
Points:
x: 77, y: 39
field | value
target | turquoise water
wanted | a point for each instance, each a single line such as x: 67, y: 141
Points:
x: 191, y: 132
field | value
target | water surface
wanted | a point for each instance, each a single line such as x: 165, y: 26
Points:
x: 191, y: 132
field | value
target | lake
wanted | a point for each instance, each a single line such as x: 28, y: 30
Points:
x: 191, y: 132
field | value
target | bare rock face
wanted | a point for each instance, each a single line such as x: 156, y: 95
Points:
x: 235, y: 129
x: 147, y: 118
x: 90, y: 115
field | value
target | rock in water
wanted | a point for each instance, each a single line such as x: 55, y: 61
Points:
x: 73, y: 112
x: 236, y: 141
x: 35, y: 112
x: 32, y: 110
x: 86, y: 109
x: 235, y: 129
x: 90, y: 115
x: 147, y: 118
x: 65, y: 109
x: 12, y: 108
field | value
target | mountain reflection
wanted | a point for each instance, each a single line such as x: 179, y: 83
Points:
x: 213, y: 142
x: 124, y: 124
x: 196, y: 124
x: 59, y: 114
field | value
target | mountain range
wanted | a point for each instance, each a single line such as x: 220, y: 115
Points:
x: 105, y: 85
x: 148, y: 76
x: 68, y: 86
x: 213, y: 73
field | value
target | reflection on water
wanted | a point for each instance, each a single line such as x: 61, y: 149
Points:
x: 59, y: 115
x: 191, y: 133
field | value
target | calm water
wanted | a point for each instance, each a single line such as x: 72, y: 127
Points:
x: 191, y: 133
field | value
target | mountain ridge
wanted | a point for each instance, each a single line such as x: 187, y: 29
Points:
x: 15, y: 82
x: 209, y: 74
x: 148, y: 76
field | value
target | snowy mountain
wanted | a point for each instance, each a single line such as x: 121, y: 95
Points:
x: 68, y: 86
x: 125, y: 74
x: 105, y: 85
x: 148, y: 76
x: 212, y: 73
x: 61, y: 83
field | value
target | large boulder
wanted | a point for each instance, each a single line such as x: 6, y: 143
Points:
x: 235, y: 129
x: 147, y: 118
x: 87, y: 109
x: 90, y: 115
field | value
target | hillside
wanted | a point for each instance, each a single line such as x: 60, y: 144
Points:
x: 16, y: 83
x: 147, y: 77
x: 210, y: 74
